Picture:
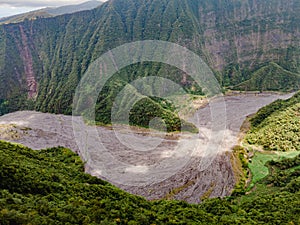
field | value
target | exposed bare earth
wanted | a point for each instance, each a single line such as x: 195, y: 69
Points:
x: 28, y: 64
x: 139, y: 171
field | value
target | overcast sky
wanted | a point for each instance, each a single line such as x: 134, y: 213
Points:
x: 13, y: 7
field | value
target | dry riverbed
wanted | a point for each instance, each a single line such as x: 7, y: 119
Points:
x: 128, y: 159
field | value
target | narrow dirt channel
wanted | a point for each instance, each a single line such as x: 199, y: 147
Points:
x: 28, y: 65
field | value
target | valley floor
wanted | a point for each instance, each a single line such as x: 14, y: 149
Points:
x: 191, y: 171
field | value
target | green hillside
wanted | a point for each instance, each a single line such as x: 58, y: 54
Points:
x: 50, y: 187
x: 271, y: 77
x: 43, y: 60
x: 276, y: 126
x: 146, y: 108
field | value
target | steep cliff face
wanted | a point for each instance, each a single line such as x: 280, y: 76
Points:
x: 250, y: 32
x: 253, y: 33
x: 234, y: 37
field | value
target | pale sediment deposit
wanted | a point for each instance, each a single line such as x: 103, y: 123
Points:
x: 147, y: 163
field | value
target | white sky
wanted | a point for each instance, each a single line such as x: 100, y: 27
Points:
x: 13, y: 7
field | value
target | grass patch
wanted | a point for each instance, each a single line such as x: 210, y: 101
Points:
x: 258, y: 167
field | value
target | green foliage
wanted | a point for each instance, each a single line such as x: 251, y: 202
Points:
x: 241, y: 156
x: 232, y: 75
x: 276, y: 106
x: 3, y: 107
x: 285, y: 173
x: 271, y: 77
x: 147, y: 109
x: 259, y: 167
x: 276, y: 126
x: 50, y: 187
x: 63, y: 47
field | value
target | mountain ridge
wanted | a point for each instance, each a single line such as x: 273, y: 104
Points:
x: 50, y: 12
x: 271, y: 76
x: 232, y: 37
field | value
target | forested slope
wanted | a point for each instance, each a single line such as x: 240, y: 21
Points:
x: 42, y: 61
x: 50, y: 187
x: 276, y: 127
